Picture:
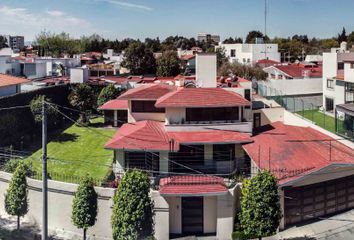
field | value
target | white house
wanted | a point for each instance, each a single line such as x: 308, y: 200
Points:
x: 250, y: 53
x: 10, y: 85
x: 338, y: 78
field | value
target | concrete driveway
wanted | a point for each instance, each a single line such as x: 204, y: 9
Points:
x: 338, y: 227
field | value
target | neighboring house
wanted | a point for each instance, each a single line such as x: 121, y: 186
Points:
x: 115, y: 112
x: 10, y: 85
x: 300, y: 80
x: 207, y: 37
x: 315, y: 172
x: 250, y: 53
x: 16, y: 43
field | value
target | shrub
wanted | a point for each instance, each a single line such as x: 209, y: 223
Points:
x: 132, y: 216
x: 11, y: 166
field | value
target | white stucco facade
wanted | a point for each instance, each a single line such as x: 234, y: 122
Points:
x: 250, y: 53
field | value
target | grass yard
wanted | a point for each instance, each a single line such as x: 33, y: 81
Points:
x: 76, y: 152
x: 322, y: 120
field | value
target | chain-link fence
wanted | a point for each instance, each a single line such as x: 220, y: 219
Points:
x: 307, y: 106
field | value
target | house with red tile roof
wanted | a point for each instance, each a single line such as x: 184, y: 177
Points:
x: 10, y: 84
x: 188, y: 140
x: 315, y: 172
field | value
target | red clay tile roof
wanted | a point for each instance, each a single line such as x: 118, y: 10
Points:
x: 192, y: 185
x: 152, y: 135
x: 8, y: 80
x: 201, y: 97
x: 115, y: 104
x: 187, y: 57
x: 211, y: 136
x: 267, y: 61
x: 149, y: 135
x: 296, y: 71
x: 147, y: 92
x: 294, y: 151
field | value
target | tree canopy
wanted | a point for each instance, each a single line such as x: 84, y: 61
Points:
x: 83, y: 98
x: 84, y: 208
x: 260, y: 207
x: 107, y: 93
x: 16, y: 202
x: 168, y: 64
x: 242, y: 70
x: 132, y: 216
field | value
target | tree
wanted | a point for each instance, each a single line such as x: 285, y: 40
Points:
x: 132, y: 216
x: 260, y: 207
x: 3, y: 42
x: 168, y: 64
x: 16, y: 203
x: 107, y: 93
x: 83, y: 98
x: 342, y: 37
x: 36, y: 105
x: 242, y: 70
x: 139, y: 59
x: 252, y: 35
x: 84, y: 209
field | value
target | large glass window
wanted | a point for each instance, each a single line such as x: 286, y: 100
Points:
x: 212, y: 114
x: 329, y: 104
x: 224, y: 152
x: 233, y: 53
x: 142, y: 160
x: 146, y: 106
x: 349, y: 92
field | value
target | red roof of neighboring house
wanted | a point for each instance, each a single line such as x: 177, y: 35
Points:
x: 115, y: 104
x: 147, y: 92
x: 267, y: 61
x: 187, y: 57
x: 192, y: 185
x: 201, y: 97
x: 8, y: 80
x: 294, y: 151
x: 83, y: 58
x: 297, y: 71
x: 211, y: 136
x: 142, y: 135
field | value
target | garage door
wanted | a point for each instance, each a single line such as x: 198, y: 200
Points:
x: 192, y: 215
x: 318, y: 200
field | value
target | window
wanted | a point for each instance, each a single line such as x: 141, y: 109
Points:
x: 248, y: 94
x: 349, y: 92
x: 142, y: 160
x: 146, y: 106
x: 244, y: 60
x: 224, y: 152
x: 212, y: 114
x: 330, y: 83
x: 233, y: 53
x: 248, y: 60
x: 329, y: 104
x: 340, y: 66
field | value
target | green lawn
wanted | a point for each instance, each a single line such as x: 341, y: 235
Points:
x: 76, y: 152
x: 322, y: 120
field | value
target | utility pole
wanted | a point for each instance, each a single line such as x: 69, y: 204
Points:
x: 265, y: 29
x: 44, y: 173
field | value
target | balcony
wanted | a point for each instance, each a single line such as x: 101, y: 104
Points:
x: 228, y: 125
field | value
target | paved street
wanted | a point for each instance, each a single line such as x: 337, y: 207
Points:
x: 340, y: 226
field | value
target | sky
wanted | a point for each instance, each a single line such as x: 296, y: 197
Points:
x: 161, y: 18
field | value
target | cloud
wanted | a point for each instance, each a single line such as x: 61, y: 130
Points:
x: 128, y: 5
x: 21, y: 21
x: 55, y: 13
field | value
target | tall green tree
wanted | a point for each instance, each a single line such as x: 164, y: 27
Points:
x: 260, y: 207
x: 36, y: 105
x: 84, y: 208
x: 342, y: 37
x: 16, y: 202
x: 252, y: 35
x: 168, y: 64
x: 132, y: 216
x: 139, y: 59
x: 107, y: 93
x: 83, y: 98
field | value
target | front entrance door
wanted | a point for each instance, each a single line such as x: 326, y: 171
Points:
x: 256, y: 120
x: 192, y: 215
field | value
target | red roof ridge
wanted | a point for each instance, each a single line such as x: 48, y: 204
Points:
x: 9, y: 80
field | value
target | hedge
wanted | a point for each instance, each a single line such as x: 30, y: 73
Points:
x: 17, y: 126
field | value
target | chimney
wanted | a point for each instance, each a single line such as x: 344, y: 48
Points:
x: 206, y: 70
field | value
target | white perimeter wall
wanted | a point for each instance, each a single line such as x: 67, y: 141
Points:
x: 60, y: 197
x: 294, y: 86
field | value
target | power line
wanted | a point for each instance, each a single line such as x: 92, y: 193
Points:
x: 15, y: 107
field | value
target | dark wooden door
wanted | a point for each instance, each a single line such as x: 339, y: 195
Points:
x: 192, y: 215
x: 256, y: 120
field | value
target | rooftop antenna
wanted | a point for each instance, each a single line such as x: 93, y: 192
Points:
x: 265, y: 29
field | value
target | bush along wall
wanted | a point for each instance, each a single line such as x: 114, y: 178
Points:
x: 17, y: 126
